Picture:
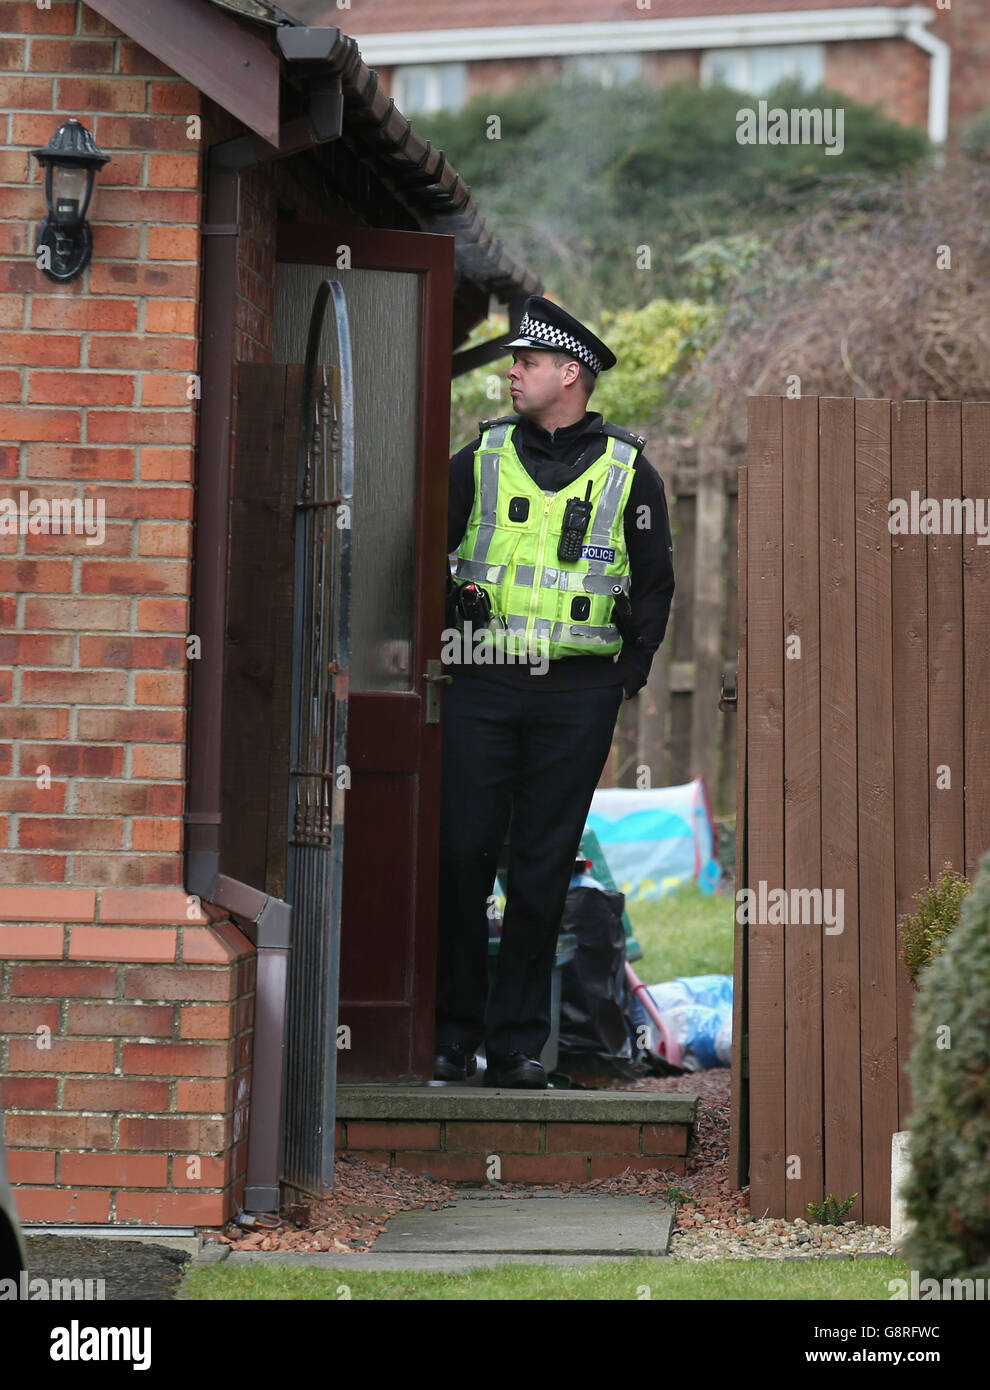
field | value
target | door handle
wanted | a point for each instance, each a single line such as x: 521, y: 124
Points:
x: 435, y: 676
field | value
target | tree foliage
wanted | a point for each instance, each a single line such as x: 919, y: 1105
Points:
x: 653, y: 345
x: 580, y: 178
x: 879, y: 291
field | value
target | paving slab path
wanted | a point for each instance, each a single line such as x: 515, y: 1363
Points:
x: 484, y: 1228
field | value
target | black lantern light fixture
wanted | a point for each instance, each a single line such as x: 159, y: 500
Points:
x: 70, y: 160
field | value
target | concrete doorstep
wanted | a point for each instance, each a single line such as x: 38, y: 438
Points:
x: 566, y: 1230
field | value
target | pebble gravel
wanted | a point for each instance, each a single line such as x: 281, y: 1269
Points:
x: 717, y: 1223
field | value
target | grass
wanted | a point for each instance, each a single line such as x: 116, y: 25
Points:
x: 636, y: 1279
x: 687, y: 932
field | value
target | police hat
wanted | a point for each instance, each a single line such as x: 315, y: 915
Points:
x: 547, y: 326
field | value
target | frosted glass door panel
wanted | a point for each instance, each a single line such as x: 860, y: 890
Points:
x: 384, y: 307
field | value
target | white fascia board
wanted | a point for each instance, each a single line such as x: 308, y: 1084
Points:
x: 639, y: 36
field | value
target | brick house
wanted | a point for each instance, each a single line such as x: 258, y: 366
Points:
x: 144, y: 679
x: 924, y: 63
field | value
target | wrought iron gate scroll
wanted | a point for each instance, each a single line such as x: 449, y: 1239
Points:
x: 318, y: 774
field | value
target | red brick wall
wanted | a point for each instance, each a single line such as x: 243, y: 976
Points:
x: 125, y: 1056
x: 505, y: 74
x: 130, y: 1103
x: 664, y: 69
x: 528, y: 1150
x: 94, y: 404
x: 966, y: 28
x: 892, y: 72
x: 255, y: 269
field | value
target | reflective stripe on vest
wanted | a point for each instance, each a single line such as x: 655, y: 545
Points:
x: 494, y: 439
x: 510, y: 559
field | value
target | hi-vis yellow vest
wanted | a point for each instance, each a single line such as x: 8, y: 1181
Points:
x: 548, y: 606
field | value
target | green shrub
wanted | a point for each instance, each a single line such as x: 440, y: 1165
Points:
x: 831, y: 1211
x: 924, y: 933
x: 654, y: 344
x: 974, y: 140
x: 947, y: 1192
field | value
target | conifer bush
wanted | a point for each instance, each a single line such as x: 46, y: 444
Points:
x: 947, y: 1193
x: 925, y: 932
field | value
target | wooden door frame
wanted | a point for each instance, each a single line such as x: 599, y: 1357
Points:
x: 432, y: 258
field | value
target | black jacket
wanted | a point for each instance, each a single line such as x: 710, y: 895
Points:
x: 554, y: 462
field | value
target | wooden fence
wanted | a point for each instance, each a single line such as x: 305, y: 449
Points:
x: 675, y: 728
x: 862, y: 769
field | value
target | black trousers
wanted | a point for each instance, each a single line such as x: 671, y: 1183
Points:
x: 537, y: 755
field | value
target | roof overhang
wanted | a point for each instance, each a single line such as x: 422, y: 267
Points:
x: 641, y: 35
x: 210, y: 49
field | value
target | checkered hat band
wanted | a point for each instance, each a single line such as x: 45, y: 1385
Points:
x: 557, y: 338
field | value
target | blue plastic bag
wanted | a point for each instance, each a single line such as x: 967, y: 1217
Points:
x: 698, y: 1011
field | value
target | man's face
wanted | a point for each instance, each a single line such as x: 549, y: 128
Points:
x: 534, y: 382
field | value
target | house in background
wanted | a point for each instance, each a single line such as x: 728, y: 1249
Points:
x: 925, y: 65
x: 149, y: 806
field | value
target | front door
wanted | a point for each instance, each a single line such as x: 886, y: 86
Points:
x: 399, y: 292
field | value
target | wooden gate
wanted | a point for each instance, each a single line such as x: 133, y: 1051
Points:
x: 862, y: 767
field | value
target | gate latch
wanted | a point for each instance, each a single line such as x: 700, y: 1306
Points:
x: 729, y: 696
x: 434, y: 677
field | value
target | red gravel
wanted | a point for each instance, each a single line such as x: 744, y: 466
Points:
x: 713, y: 1200
x: 352, y: 1216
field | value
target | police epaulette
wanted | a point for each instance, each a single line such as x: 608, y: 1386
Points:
x: 617, y: 432
x: 499, y: 420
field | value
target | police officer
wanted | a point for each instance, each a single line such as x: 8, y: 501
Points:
x: 561, y: 526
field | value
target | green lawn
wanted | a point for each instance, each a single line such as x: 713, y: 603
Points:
x: 687, y: 932
x: 715, y: 1280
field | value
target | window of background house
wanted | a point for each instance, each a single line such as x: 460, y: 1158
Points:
x: 423, y: 88
x: 610, y: 69
x: 756, y: 70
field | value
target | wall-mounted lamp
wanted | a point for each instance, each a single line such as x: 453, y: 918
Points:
x: 70, y: 160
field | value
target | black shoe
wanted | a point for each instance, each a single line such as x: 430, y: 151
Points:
x: 516, y: 1072
x: 454, y: 1062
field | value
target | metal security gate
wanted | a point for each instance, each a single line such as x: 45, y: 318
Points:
x: 318, y: 755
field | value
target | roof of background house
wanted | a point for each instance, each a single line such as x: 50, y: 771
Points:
x: 403, y: 16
